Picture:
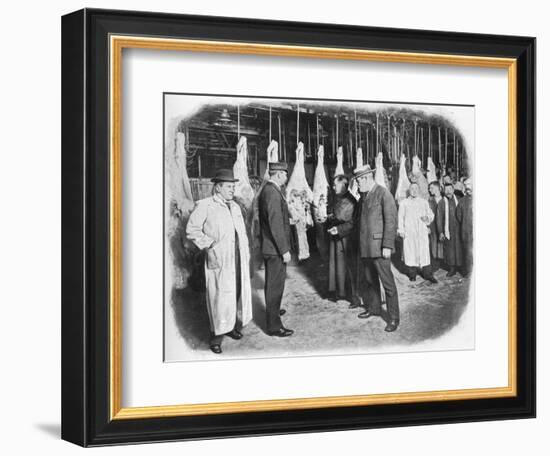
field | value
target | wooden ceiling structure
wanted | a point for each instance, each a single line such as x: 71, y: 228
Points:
x: 213, y: 132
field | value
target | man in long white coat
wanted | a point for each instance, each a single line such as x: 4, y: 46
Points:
x: 413, y: 225
x: 216, y: 225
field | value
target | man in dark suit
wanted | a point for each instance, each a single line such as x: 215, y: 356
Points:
x: 341, y: 271
x: 436, y: 245
x: 376, y: 225
x: 464, y: 215
x: 449, y: 230
x: 275, y: 237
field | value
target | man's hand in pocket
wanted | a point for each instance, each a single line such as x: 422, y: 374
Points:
x: 212, y: 259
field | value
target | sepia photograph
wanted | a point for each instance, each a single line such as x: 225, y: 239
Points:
x: 314, y: 227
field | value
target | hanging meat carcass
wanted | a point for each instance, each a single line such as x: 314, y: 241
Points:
x: 403, y: 182
x: 179, y: 204
x: 359, y: 157
x: 442, y: 173
x: 300, y: 197
x: 432, y: 176
x: 418, y: 177
x: 380, y: 176
x: 244, y: 193
x: 354, y: 188
x: 179, y: 180
x: 320, y: 189
x: 339, y: 171
x: 272, y: 156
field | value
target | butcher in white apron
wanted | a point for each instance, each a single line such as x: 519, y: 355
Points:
x: 413, y: 225
x: 216, y: 225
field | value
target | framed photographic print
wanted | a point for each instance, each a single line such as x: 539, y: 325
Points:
x: 279, y: 227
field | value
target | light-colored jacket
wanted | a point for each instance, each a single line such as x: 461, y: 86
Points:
x: 212, y: 227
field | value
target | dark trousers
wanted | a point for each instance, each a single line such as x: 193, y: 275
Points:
x: 275, y: 276
x: 379, y: 270
x: 468, y: 257
x: 435, y: 264
x: 425, y: 271
x: 340, y: 272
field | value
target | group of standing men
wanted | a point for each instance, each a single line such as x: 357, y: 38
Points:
x: 362, y: 238
x: 451, y: 232
x: 217, y: 227
x: 435, y: 233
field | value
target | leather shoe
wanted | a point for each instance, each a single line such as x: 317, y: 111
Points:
x: 451, y: 272
x: 355, y: 302
x: 282, y: 312
x: 235, y: 334
x: 391, y: 326
x: 367, y: 314
x: 282, y: 332
x: 432, y: 279
x: 216, y: 348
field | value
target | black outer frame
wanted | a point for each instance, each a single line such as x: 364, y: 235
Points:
x: 85, y: 227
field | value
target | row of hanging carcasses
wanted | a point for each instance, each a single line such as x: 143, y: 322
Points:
x: 307, y: 206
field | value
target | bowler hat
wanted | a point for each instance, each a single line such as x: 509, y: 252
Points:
x: 340, y: 177
x: 362, y: 171
x: 278, y: 166
x: 224, y: 175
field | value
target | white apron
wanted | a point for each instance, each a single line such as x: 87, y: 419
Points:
x: 416, y: 243
x: 213, y: 226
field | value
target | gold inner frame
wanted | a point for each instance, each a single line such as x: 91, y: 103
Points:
x: 117, y: 44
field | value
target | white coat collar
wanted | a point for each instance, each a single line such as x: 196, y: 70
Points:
x: 218, y: 199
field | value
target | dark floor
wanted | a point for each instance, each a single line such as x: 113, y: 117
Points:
x: 322, y: 326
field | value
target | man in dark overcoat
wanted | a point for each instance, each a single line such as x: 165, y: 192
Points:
x: 376, y: 225
x: 341, y: 276
x: 436, y: 245
x: 275, y: 239
x: 464, y: 215
x: 448, y: 229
